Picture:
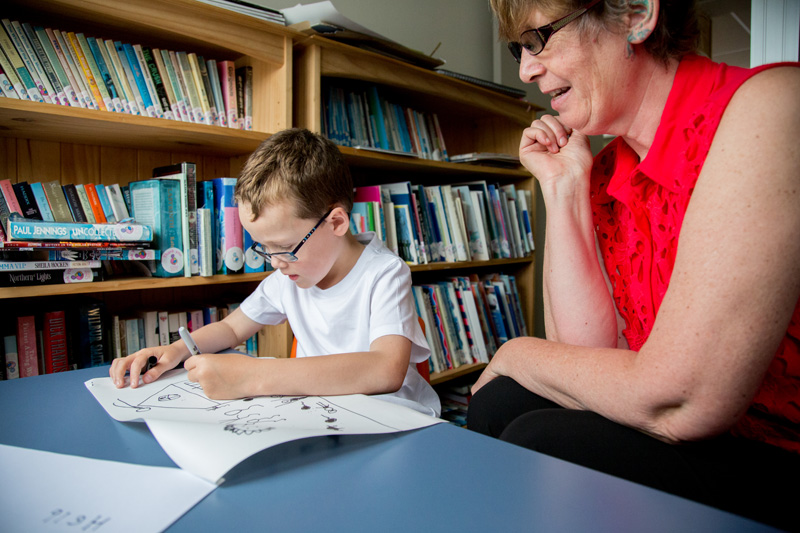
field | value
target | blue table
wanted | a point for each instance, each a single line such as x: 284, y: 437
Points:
x: 441, y: 478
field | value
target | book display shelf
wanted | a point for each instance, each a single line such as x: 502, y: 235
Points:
x: 45, y: 141
x: 472, y: 119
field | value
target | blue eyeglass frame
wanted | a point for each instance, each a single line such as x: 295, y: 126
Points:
x: 544, y: 33
x: 288, y: 257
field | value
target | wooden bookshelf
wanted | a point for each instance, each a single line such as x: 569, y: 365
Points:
x: 44, y: 142
x: 473, y: 119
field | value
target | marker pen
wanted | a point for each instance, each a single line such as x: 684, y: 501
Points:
x: 189, y: 341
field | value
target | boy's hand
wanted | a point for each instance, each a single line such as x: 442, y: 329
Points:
x: 135, y: 365
x: 222, y: 376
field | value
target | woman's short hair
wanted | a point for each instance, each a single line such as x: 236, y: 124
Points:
x: 677, y: 32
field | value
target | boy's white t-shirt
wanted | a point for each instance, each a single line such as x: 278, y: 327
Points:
x: 373, y: 300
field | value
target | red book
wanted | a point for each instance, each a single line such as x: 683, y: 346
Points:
x: 26, y: 346
x: 56, y: 358
x: 94, y: 201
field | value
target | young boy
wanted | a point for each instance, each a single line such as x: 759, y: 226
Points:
x: 342, y: 294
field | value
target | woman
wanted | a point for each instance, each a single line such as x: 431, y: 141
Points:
x: 684, y: 231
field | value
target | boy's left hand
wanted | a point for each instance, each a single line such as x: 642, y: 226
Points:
x: 222, y: 376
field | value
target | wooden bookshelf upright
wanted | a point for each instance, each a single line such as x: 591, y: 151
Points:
x: 473, y: 119
x: 44, y: 142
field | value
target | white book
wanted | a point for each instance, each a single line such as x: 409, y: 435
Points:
x: 163, y: 328
x: 205, y: 242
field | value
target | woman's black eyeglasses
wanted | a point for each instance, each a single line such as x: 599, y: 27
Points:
x: 288, y: 257
x: 534, y: 40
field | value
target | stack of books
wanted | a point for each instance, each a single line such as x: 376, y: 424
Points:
x: 474, y: 221
x: 361, y: 117
x: 73, y: 69
x: 467, y: 318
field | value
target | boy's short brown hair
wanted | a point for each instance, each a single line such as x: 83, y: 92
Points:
x: 296, y: 164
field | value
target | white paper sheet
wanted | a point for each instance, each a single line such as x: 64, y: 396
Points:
x: 325, y: 12
x: 45, y: 491
x: 208, y: 437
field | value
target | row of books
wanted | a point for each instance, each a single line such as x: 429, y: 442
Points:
x: 61, y: 340
x: 363, y: 118
x: 474, y: 221
x: 150, y: 328
x: 73, y: 69
x: 468, y: 318
x: 192, y: 228
x: 55, y: 341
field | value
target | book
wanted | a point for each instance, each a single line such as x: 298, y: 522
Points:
x: 110, y: 254
x: 47, y: 277
x: 80, y: 190
x: 172, y: 99
x: 216, y: 91
x: 181, y: 98
x: 253, y: 262
x: 22, y: 229
x: 186, y: 175
x: 163, y: 328
x: 11, y: 356
x: 57, y: 201
x: 74, y: 203
x: 49, y: 67
x: 90, y: 71
x: 12, y: 85
x: 244, y: 97
x: 227, y: 79
x: 26, y: 201
x: 158, y: 204
x: 55, y: 346
x: 73, y: 69
x: 94, y: 203
x: 230, y: 255
x: 26, y: 346
x: 133, y: 70
x: 37, y: 188
x: 8, y: 266
x: 103, y: 72
x: 131, y: 102
x: 105, y: 203
x: 148, y: 80
x: 205, y: 78
x: 10, y: 197
x: 195, y: 77
x: 205, y: 243
x: 91, y: 338
x: 150, y: 326
x: 117, y: 201
x: 174, y: 324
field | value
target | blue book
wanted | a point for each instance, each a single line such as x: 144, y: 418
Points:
x: 496, y: 313
x: 22, y: 229
x: 252, y: 261
x: 133, y: 64
x: 376, y: 115
x: 230, y: 255
x: 41, y: 201
x: 158, y: 202
x: 108, y: 211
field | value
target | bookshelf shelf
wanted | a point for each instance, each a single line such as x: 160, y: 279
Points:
x: 438, y: 378
x: 50, y: 122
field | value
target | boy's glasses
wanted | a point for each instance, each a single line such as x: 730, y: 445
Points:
x: 288, y: 257
x: 534, y: 40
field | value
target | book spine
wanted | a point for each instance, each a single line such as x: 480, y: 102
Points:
x: 80, y: 190
x: 54, y: 326
x: 7, y: 190
x: 16, y: 266
x: 57, y: 201
x: 105, y: 204
x: 227, y: 77
x: 57, y: 58
x: 177, y: 86
x: 107, y: 94
x: 139, y: 81
x: 184, y: 71
x: 92, y: 335
x: 109, y: 51
x: 27, y: 202
x: 252, y: 261
x: 12, y: 356
x: 246, y: 74
x: 117, y: 202
x: 94, y: 203
x: 216, y: 91
x: 87, y: 255
x: 26, y: 346
x: 24, y: 230
x: 42, y: 204
x: 163, y: 328
x: 148, y: 81
x: 205, y: 243
x: 229, y: 228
